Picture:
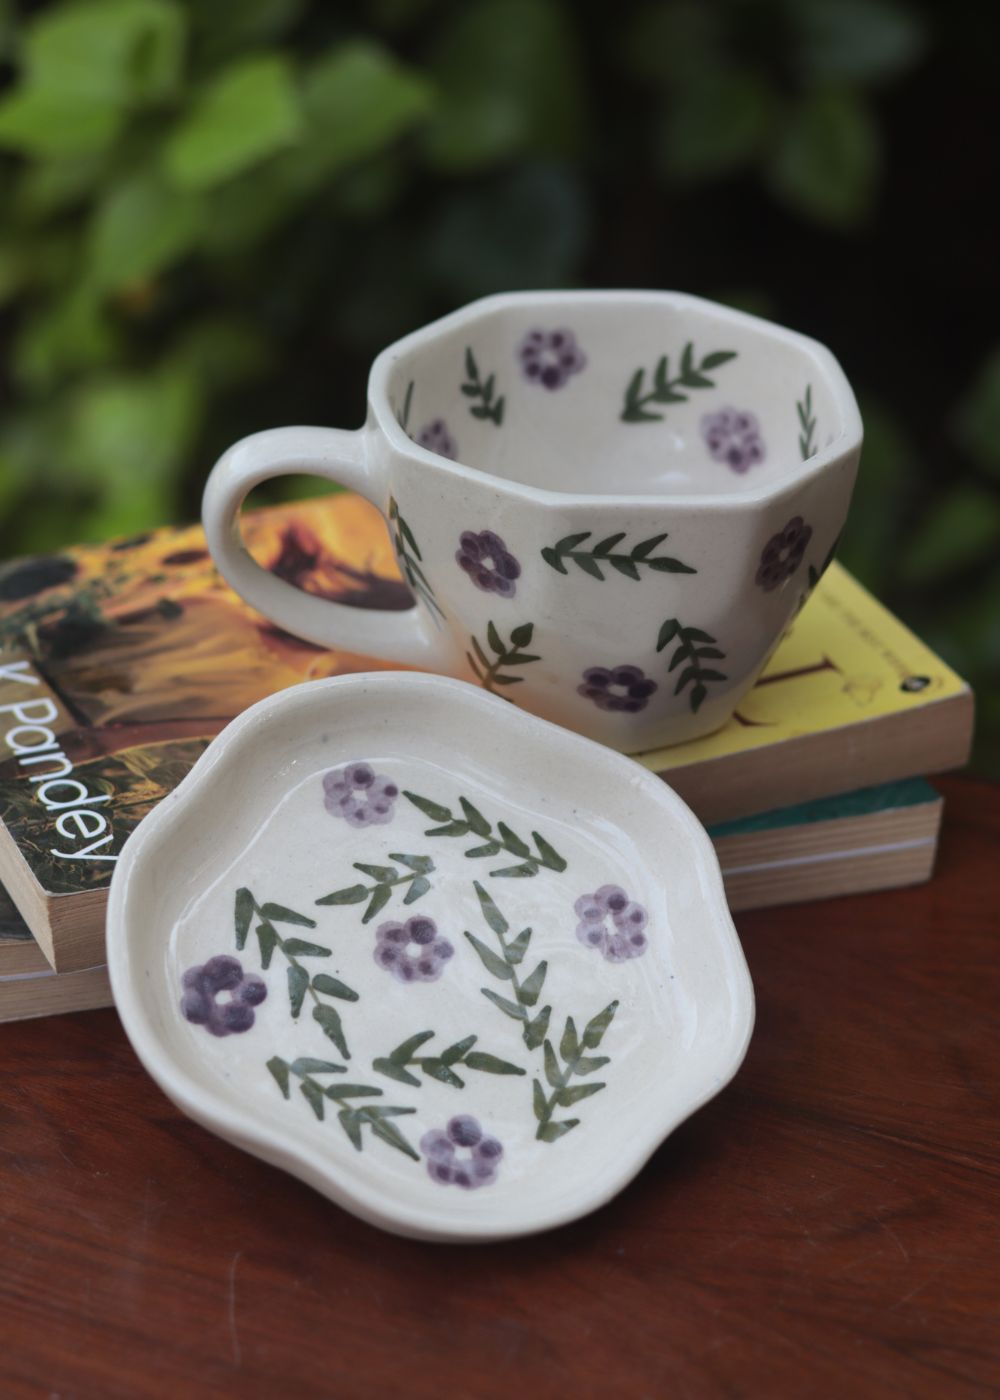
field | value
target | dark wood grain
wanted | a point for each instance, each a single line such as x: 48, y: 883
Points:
x: 829, y: 1226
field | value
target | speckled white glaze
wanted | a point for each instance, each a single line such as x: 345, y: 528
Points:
x: 648, y: 524
x: 253, y: 814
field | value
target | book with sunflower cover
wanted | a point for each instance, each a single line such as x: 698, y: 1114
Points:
x: 120, y: 662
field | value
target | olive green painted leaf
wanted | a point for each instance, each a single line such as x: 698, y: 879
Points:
x: 515, y: 872
x: 381, y: 873
x: 518, y: 946
x: 554, y: 561
x: 267, y: 940
x: 531, y: 987
x: 552, y: 1072
x: 685, y: 678
x: 570, y: 542
x: 243, y: 915
x: 666, y: 565
x: 477, y: 822
x: 351, y: 1091
x: 566, y: 1098
x: 550, y: 856
x: 394, y: 1071
x: 642, y: 551
x: 471, y: 368
x: 509, y: 1008
x: 605, y: 547
x: 491, y: 848
x: 507, y: 680
x: 456, y: 1051
x: 696, y: 696
x: 403, y: 1053
x: 389, y: 1133
x: 381, y: 895
x: 588, y: 1064
x: 494, y: 964
x: 348, y: 1120
x: 307, y: 1065
x: 490, y: 1064
x: 624, y: 566
x: 429, y: 808
x: 551, y: 1132
x: 418, y: 887
x: 539, y: 1102
x: 493, y: 637
x: 513, y: 842
x: 279, y: 1069
x: 423, y: 865
x: 314, y: 1097
x: 491, y: 913
x: 668, y: 631
x: 536, y: 1030
x: 333, y: 987
x: 594, y: 1030
x: 299, y: 948
x: 438, y: 1070
x: 587, y: 564
x: 717, y: 358
x: 569, y: 1046
x: 298, y: 985
x: 278, y: 914
x: 329, y: 1019
x: 353, y: 894
x: 521, y: 636
x: 695, y: 634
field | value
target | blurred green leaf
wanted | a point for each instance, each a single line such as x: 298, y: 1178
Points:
x: 71, y: 333
x: 246, y: 112
x: 717, y: 122
x: 222, y: 28
x: 857, y: 41
x: 358, y: 99
x: 962, y: 529
x: 58, y: 125
x: 889, y: 464
x: 54, y: 186
x: 140, y: 228
x: 126, y: 51
x: 827, y: 161
x: 510, y: 80
x: 977, y: 420
x: 221, y: 351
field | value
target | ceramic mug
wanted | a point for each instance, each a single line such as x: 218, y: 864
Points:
x: 608, y: 505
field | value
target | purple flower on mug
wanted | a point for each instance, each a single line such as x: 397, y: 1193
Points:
x: 783, y: 554
x: 412, y: 952
x: 359, y: 795
x: 461, y: 1154
x: 436, y: 438
x: 626, y: 938
x: 488, y: 562
x: 550, y: 357
x: 732, y: 435
x: 624, y: 688
x: 203, y: 987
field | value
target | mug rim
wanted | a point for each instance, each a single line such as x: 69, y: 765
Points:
x: 845, y: 445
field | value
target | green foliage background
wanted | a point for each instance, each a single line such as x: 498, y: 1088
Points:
x: 214, y: 212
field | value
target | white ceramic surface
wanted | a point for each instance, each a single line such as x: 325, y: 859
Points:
x: 516, y: 825
x: 608, y: 504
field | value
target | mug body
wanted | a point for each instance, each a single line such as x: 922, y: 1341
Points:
x: 610, y: 505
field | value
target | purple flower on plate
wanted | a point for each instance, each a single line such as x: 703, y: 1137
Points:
x: 436, y: 438
x: 783, y: 554
x: 488, y: 562
x: 359, y: 795
x: 412, y: 952
x: 732, y: 435
x: 461, y: 1154
x: 550, y: 357
x: 203, y: 987
x: 625, y: 688
x: 626, y: 938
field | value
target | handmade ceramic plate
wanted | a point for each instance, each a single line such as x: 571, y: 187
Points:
x: 457, y: 968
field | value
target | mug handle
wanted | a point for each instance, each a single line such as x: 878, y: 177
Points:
x: 407, y: 637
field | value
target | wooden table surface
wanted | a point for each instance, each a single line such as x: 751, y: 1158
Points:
x: 829, y: 1226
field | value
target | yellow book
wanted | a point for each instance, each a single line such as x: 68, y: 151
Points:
x: 134, y: 654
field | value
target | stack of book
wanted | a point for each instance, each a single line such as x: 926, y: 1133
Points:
x: 119, y: 663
